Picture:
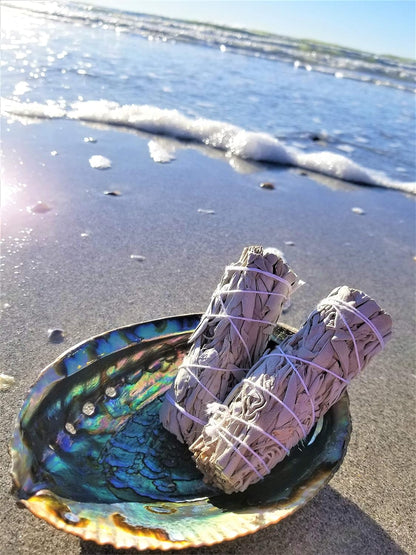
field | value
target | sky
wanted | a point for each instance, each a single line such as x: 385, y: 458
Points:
x: 379, y: 26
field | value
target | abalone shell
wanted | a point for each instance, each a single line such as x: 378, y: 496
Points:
x: 90, y: 456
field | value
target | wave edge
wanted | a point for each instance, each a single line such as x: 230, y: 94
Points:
x: 234, y: 140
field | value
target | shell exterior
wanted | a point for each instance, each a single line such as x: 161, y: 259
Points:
x: 90, y: 456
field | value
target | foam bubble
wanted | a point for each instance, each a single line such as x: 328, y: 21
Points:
x: 99, y: 162
x: 50, y: 110
x: 21, y: 88
x: 159, y: 153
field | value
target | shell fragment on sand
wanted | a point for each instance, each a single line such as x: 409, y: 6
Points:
x: 358, y: 210
x: 99, y: 162
x: 6, y: 382
x: 205, y: 211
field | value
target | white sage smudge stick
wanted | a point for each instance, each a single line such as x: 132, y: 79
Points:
x: 231, y: 336
x: 289, y: 389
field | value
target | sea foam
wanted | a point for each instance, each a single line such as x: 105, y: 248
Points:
x: 159, y: 153
x: 230, y: 138
x: 99, y: 162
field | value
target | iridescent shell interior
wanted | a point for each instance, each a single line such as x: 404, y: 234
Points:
x: 90, y: 456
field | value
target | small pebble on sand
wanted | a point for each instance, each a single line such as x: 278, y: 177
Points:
x: 358, y: 210
x: 98, y: 162
x: 84, y: 234
x: 290, y: 243
x: 89, y: 140
x: 54, y: 153
x: 56, y: 335
x: 138, y: 257
x: 267, y: 185
x: 320, y: 138
x: 205, y: 211
x: 39, y: 208
x: 113, y: 193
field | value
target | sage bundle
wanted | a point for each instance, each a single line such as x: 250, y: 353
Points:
x: 289, y: 389
x: 230, y: 338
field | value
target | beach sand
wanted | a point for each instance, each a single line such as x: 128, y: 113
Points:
x: 71, y: 268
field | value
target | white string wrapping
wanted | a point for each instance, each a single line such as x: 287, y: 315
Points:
x: 231, y: 336
x: 290, y: 388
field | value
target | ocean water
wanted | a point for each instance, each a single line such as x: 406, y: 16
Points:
x: 328, y: 109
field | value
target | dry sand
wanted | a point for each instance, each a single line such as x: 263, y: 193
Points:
x: 70, y: 267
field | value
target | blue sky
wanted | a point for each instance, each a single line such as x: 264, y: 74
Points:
x: 380, y: 26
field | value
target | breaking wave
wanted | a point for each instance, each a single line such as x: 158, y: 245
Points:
x: 234, y: 140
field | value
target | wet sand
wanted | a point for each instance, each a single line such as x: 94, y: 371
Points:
x: 71, y: 268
